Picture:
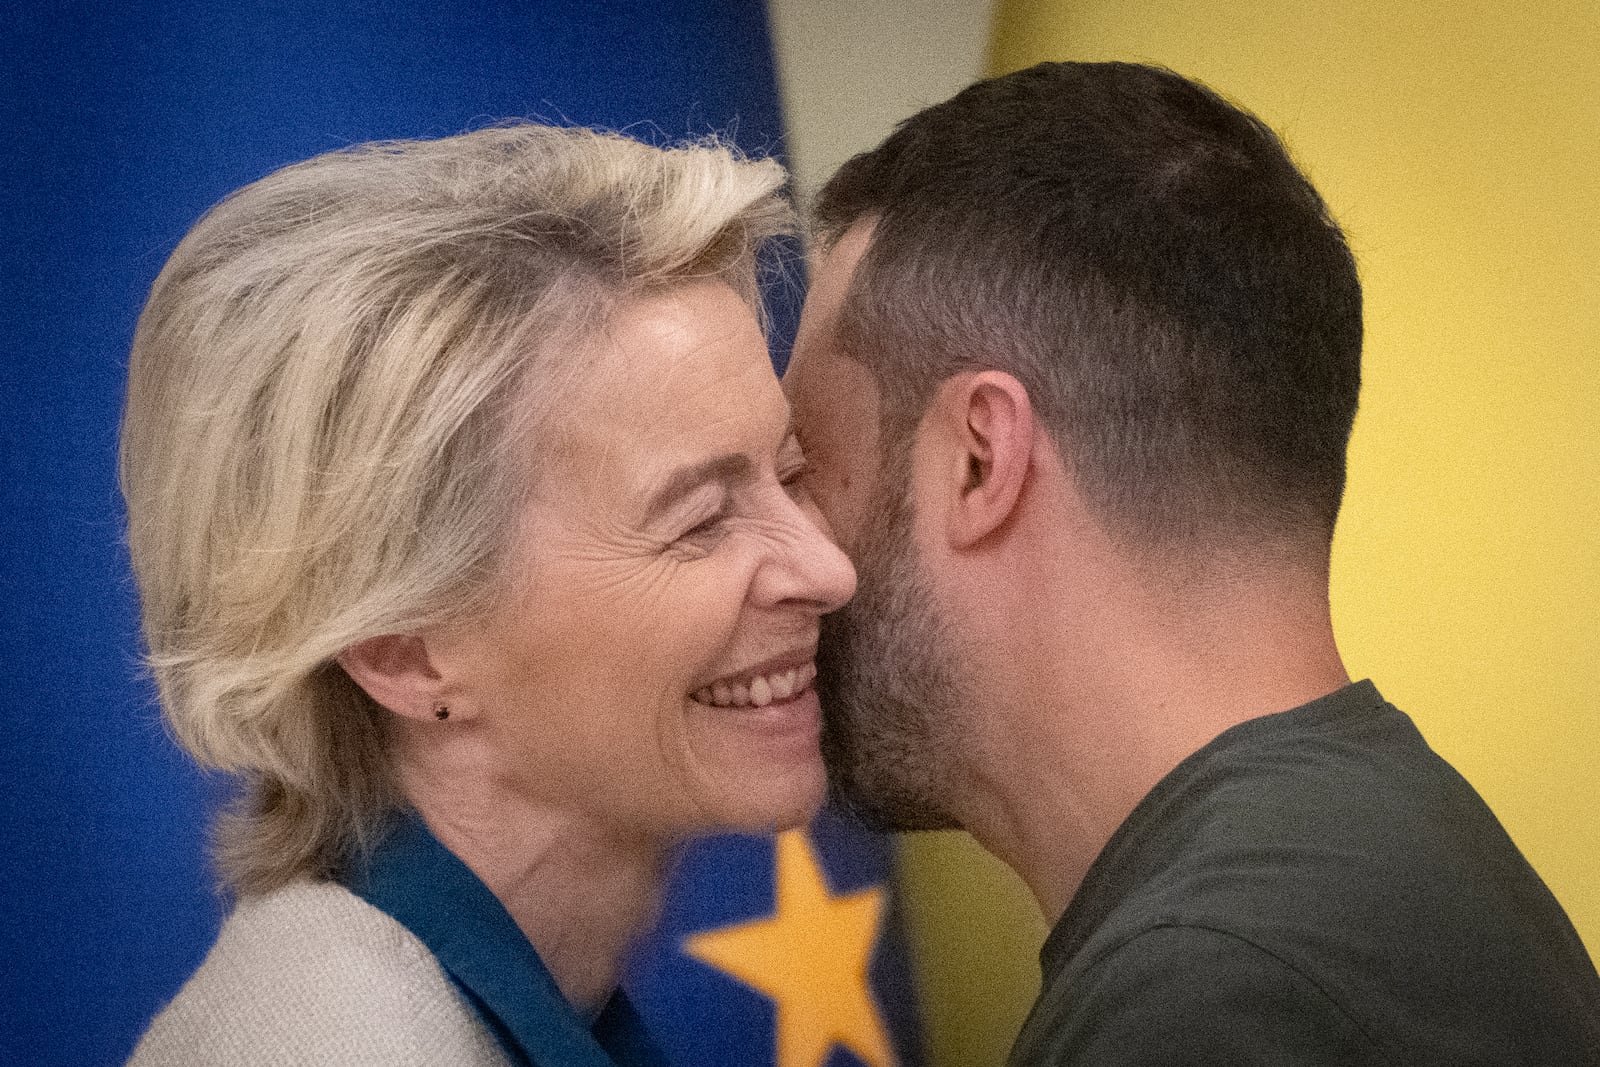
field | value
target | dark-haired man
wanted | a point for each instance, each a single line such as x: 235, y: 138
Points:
x: 1076, y: 377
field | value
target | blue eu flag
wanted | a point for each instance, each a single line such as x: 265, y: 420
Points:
x: 785, y: 952
x: 124, y: 123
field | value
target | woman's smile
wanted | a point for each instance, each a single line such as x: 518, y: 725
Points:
x: 772, y: 706
x: 783, y: 732
x: 778, y: 681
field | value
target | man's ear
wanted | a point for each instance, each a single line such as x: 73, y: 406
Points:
x: 990, y: 427
x: 397, y: 672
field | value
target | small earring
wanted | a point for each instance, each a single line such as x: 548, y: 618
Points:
x: 441, y: 712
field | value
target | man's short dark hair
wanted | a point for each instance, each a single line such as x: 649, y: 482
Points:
x: 1145, y: 258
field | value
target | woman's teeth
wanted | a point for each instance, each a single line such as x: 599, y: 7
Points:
x: 758, y: 690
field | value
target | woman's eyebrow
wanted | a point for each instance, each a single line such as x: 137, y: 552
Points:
x: 730, y: 469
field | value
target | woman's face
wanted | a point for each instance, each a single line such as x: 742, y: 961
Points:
x: 652, y: 668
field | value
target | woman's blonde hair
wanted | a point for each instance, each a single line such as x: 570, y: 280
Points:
x: 332, y: 417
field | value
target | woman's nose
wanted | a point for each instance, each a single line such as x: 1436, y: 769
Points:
x: 809, y: 567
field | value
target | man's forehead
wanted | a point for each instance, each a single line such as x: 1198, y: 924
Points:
x: 816, y: 355
x: 834, y: 267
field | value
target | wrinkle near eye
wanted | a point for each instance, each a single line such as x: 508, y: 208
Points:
x: 608, y: 547
x: 633, y: 581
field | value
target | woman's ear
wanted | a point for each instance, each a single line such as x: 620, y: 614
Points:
x: 396, y: 671
x: 990, y: 423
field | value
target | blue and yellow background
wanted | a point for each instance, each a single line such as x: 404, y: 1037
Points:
x: 1458, y: 141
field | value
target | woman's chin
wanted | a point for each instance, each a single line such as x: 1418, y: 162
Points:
x: 799, y: 803
x: 775, y: 799
x: 765, y: 761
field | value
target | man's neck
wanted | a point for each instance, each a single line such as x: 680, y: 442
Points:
x: 1118, y: 686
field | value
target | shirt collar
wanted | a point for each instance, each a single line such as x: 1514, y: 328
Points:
x: 1127, y: 858
x: 421, y: 884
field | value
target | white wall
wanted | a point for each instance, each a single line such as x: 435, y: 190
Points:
x: 849, y: 71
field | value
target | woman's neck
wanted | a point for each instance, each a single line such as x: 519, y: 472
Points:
x: 579, y: 892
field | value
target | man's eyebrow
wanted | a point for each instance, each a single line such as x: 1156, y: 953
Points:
x: 729, y: 469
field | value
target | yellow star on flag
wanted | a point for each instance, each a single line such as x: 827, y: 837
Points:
x: 811, y: 957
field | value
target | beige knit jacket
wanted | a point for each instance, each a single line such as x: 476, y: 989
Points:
x: 313, y: 975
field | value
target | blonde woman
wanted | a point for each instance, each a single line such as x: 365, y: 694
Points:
x: 463, y: 505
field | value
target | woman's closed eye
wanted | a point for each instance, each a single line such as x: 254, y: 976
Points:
x: 702, y: 528
x: 707, y: 527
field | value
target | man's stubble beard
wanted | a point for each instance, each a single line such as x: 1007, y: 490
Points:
x: 892, y: 706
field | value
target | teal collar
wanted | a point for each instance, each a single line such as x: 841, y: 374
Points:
x: 423, y: 886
